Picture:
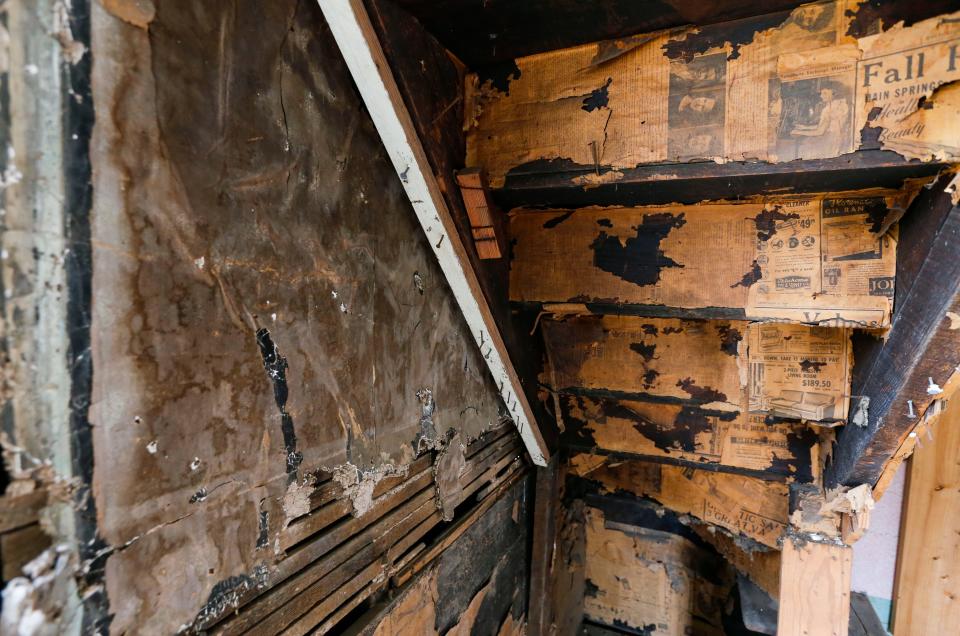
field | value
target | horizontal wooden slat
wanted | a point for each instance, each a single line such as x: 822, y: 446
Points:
x: 813, y: 259
x: 688, y: 435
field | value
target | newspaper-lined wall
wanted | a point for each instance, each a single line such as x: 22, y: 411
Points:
x: 799, y: 372
x: 805, y: 88
x: 818, y: 259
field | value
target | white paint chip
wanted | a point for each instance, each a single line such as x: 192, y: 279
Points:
x: 152, y: 447
x: 200, y: 262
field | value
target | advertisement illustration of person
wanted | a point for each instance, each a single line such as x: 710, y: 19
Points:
x: 831, y: 125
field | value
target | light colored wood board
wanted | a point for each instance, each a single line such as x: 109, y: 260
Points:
x: 688, y: 433
x: 814, y: 589
x: 927, y: 585
x: 807, y: 258
x: 753, y: 507
x: 647, y: 356
x: 670, y: 96
x: 351, y: 27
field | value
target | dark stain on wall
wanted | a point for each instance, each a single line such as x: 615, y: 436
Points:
x: 276, y: 368
x: 735, y: 33
x: 702, y: 394
x: 499, y: 75
x: 644, y: 350
x: 755, y: 274
x: 730, y: 338
x: 639, y: 259
x: 598, y: 98
x: 766, y: 221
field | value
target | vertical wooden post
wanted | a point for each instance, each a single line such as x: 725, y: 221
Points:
x: 814, y: 588
x: 544, y: 539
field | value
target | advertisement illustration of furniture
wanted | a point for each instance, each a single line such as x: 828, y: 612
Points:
x: 802, y: 405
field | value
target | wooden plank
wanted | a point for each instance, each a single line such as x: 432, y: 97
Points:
x: 19, y: 547
x: 689, y: 435
x: 730, y: 92
x: 929, y: 554
x: 817, y: 259
x: 814, y: 588
x: 455, y: 531
x: 22, y: 510
x: 790, y: 371
x: 755, y: 508
x: 539, y: 610
x: 351, y: 27
x: 647, y: 358
x: 638, y: 576
x: 900, y: 378
x: 485, y: 225
x: 563, y: 186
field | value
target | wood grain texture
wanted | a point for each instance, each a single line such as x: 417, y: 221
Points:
x: 927, y: 585
x: 758, y: 259
x: 814, y: 589
x: 913, y: 366
x: 754, y: 508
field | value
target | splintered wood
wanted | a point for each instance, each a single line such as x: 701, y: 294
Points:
x: 819, y: 259
x: 811, y: 84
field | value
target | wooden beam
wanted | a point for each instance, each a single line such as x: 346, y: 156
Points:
x: 354, y: 33
x: 485, y: 228
x: 687, y: 183
x: 814, y: 588
x: 544, y: 539
x: 929, y: 558
x: 896, y: 381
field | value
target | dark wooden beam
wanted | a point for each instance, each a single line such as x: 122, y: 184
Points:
x: 922, y: 350
x: 545, y: 503
x: 497, y: 30
x: 560, y: 183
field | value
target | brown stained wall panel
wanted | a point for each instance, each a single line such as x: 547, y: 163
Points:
x: 264, y: 304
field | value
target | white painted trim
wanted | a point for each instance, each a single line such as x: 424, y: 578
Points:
x: 361, y: 48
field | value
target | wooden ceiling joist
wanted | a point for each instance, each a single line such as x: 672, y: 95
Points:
x: 896, y: 381
x: 358, y: 42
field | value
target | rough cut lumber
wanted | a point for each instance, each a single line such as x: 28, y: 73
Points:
x: 818, y: 259
x: 486, y: 230
x: 545, y: 516
x: 814, y: 588
x: 927, y: 585
x: 355, y: 35
x: 898, y: 379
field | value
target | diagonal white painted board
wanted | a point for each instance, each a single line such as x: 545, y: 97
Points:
x: 361, y: 49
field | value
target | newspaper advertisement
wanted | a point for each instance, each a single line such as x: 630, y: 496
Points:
x: 825, y: 265
x: 799, y: 372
